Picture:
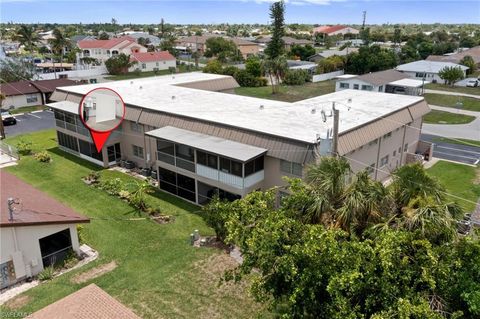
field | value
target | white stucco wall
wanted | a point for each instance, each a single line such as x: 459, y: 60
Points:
x: 150, y: 66
x: 27, y: 241
x: 21, y: 100
x: 354, y: 81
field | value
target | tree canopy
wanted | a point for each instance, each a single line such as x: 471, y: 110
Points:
x: 222, y: 49
x: 275, y: 47
x: 119, y: 64
x: 451, y: 74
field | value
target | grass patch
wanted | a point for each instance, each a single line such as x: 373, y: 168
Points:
x: 461, y: 141
x: 28, y: 109
x: 469, y: 103
x: 137, y: 75
x: 458, y: 89
x: 441, y: 117
x: 460, y: 180
x: 158, y: 274
x: 289, y: 93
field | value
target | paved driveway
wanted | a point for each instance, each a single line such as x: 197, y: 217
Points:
x: 464, y: 82
x: 31, y: 122
x: 453, y: 152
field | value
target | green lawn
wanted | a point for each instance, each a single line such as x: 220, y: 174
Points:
x: 289, y: 93
x: 458, y: 89
x: 460, y: 180
x: 136, y: 75
x: 441, y: 117
x: 469, y: 103
x: 27, y: 109
x: 461, y: 141
x: 159, y: 275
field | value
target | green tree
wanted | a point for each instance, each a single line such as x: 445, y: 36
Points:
x: 253, y: 65
x: 470, y: 63
x: 213, y: 66
x: 370, y: 59
x: 296, y: 77
x: 451, y: 74
x: 27, y: 37
x: 58, y: 45
x: 103, y: 36
x: 276, y: 46
x: 13, y: 70
x: 331, y: 64
x: 119, y: 64
x: 222, y: 49
x: 302, y: 52
x: 275, y: 69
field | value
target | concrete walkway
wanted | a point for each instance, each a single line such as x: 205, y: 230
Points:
x: 453, y: 93
x: 454, y: 110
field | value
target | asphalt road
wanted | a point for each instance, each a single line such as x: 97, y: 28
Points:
x: 454, y: 152
x: 31, y: 122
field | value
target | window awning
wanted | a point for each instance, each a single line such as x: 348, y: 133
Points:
x: 208, y: 143
x: 65, y: 106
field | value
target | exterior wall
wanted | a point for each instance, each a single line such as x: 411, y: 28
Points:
x: 354, y: 81
x: 429, y: 76
x: 25, y: 239
x: 104, y: 54
x: 151, y: 66
x: 21, y: 100
x: 344, y: 31
x: 248, y: 50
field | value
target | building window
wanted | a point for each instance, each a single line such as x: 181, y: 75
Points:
x: 380, y: 88
x: 31, y: 98
x: 420, y: 75
x: 384, y: 160
x: 156, y: 63
x: 355, y: 86
x: 67, y: 141
x: 113, y: 152
x: 254, y: 166
x: 90, y: 150
x: 399, y: 150
x: 144, y: 66
x: 177, y: 184
x: 206, y: 159
x: 367, y: 87
x: 137, y: 151
x: 373, y: 142
x: 344, y: 85
x: 135, y: 127
x: 394, y: 153
x: 291, y: 168
x: 231, y: 166
x: 370, y: 169
x: 389, y: 134
x: 405, y: 148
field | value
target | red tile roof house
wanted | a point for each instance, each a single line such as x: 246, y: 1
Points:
x: 335, y: 30
x: 152, y: 61
x: 41, y: 232
x: 29, y: 93
x: 102, y: 50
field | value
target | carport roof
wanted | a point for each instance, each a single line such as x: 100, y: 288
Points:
x: 33, y: 206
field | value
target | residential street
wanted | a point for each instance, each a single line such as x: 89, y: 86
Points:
x: 469, y: 131
x: 31, y: 122
x: 453, y: 152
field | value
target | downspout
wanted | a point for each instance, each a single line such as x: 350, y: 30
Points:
x: 403, y: 143
x: 378, y: 156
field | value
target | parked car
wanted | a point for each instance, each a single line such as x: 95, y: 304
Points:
x: 472, y: 83
x: 8, y: 118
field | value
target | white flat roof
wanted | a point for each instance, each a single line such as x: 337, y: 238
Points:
x: 427, y: 66
x: 66, y: 106
x: 409, y: 83
x: 346, y: 76
x: 288, y: 120
x: 209, y: 143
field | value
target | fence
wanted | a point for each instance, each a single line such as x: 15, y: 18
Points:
x: 326, y: 76
x: 9, y: 150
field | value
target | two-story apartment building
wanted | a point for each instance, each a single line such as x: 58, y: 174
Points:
x: 202, y: 141
x: 199, y: 44
x: 102, y: 50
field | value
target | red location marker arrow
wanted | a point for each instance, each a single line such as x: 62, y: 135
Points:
x: 99, y: 138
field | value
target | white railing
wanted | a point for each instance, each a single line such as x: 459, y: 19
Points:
x: 230, y: 179
x: 254, y: 178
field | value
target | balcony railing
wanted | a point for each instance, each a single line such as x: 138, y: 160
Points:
x: 72, y: 127
x: 176, y: 161
x: 229, y: 179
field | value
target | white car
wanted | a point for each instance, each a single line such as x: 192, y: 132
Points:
x: 472, y: 83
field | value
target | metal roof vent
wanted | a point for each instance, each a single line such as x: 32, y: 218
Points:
x: 173, y: 97
x: 313, y: 111
x: 141, y: 87
x: 262, y: 106
x: 131, y: 82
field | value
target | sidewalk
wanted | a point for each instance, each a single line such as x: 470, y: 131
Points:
x: 452, y: 93
x: 454, y: 110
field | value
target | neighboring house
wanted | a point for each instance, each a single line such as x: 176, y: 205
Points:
x: 87, y: 303
x: 200, y: 141
x: 388, y: 81
x: 311, y: 67
x: 458, y: 56
x: 153, y: 40
x: 198, y: 44
x: 36, y: 230
x: 335, y: 30
x: 152, y: 61
x: 427, y: 70
x: 289, y: 42
x: 352, y: 43
x: 27, y: 93
x: 328, y: 53
x: 102, y: 50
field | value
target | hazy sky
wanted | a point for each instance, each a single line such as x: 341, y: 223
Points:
x: 240, y: 11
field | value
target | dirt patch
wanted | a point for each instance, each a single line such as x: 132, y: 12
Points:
x: 94, y: 272
x: 17, y: 302
x: 476, y: 180
x: 162, y: 219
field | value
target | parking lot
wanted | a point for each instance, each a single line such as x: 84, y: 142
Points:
x: 30, y: 122
x: 454, y: 152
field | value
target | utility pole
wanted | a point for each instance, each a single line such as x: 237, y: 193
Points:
x: 336, y: 116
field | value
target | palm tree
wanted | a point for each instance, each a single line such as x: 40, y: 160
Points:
x: 275, y: 68
x: 27, y: 36
x: 58, y: 45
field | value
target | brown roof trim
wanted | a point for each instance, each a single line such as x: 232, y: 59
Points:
x: 19, y: 224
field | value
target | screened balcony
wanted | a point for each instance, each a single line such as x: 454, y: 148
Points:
x: 231, y: 163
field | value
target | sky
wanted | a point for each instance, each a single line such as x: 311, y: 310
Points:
x: 240, y: 11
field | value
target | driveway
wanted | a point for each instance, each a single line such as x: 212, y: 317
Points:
x: 31, y: 122
x: 453, y: 152
x: 464, y: 82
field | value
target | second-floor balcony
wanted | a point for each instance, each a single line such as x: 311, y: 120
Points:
x: 228, y: 162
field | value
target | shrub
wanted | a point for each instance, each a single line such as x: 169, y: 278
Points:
x: 229, y: 70
x: 296, y: 77
x: 112, y: 186
x: 24, y: 147
x: 244, y: 78
x: 81, y: 234
x: 216, y: 216
x: 92, y: 177
x: 213, y: 66
x: 43, y: 157
x: 123, y: 194
x: 46, y: 274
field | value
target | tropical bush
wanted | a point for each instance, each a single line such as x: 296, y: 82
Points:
x: 43, y: 157
x: 296, y: 77
x: 24, y: 147
x: 46, y: 274
x: 113, y: 186
x: 244, y: 78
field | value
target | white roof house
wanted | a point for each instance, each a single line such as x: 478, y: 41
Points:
x: 301, y: 121
x: 428, y: 66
